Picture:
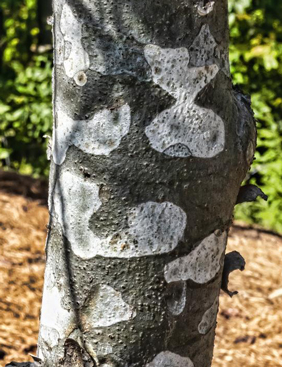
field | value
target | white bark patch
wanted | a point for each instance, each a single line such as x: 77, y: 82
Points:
x: 157, y: 228
x: 201, y: 265
x: 76, y: 58
x: 106, y: 308
x: 153, y: 228
x: 209, y: 318
x: 55, y: 320
x: 205, y: 10
x: 100, y: 135
x: 185, y: 129
x: 49, y: 335
x: 169, y: 359
x: 75, y: 200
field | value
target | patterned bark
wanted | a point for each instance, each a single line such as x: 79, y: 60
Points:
x: 150, y: 145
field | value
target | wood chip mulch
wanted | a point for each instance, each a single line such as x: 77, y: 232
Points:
x: 249, y: 328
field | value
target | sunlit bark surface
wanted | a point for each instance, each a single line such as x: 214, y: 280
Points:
x: 150, y: 145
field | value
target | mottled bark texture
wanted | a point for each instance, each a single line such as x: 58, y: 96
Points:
x: 150, y: 145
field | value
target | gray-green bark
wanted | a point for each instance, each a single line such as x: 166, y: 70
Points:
x: 150, y: 145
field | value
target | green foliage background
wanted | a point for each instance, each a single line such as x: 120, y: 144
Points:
x: 25, y: 89
x: 255, y: 56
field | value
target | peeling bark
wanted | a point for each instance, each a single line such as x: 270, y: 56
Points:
x: 249, y: 193
x: 150, y: 146
x: 232, y: 261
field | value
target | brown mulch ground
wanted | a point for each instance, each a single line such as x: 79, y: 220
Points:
x: 249, y: 331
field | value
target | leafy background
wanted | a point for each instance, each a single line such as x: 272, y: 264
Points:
x: 25, y: 92
x: 255, y: 56
x: 25, y: 88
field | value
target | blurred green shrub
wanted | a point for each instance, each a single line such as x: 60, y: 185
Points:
x: 25, y: 89
x: 256, y: 65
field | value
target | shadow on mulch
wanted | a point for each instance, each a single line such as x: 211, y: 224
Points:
x: 16, y: 184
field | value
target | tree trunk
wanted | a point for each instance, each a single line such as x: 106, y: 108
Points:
x: 150, y: 146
